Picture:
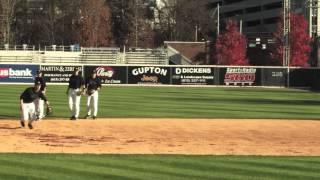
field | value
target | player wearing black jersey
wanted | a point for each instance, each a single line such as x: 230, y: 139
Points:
x: 39, y: 103
x: 27, y: 103
x: 93, y: 85
x: 74, y: 91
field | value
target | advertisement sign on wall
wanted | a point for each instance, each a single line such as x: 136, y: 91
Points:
x: 274, y: 77
x: 18, y: 73
x: 58, y: 74
x: 192, y: 76
x: 148, y: 75
x: 108, y: 74
x: 240, y: 76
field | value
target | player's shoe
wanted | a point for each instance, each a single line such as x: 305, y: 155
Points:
x: 94, y: 117
x: 22, y: 123
x: 30, y: 126
x: 87, y: 116
x: 73, y: 118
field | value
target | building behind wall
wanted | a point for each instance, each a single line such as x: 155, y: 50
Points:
x: 259, y: 19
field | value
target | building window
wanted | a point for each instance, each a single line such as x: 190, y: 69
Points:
x: 253, y: 23
x: 232, y: 1
x: 233, y: 13
x: 275, y: 5
x: 253, y: 9
x: 273, y: 20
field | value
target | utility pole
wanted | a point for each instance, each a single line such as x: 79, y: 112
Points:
x: 218, y: 20
x: 286, y: 32
x: 136, y: 22
x: 240, y: 26
x: 196, y: 34
x: 314, y: 19
x: 286, y: 35
x: 314, y: 25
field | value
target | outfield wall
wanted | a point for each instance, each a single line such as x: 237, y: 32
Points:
x: 167, y: 75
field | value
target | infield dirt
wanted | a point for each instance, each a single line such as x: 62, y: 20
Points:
x: 164, y: 136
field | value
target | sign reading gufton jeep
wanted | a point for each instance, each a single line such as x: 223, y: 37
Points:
x: 148, y: 75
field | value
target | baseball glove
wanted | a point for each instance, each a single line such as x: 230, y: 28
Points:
x: 49, y: 110
x: 90, y: 92
x: 79, y: 93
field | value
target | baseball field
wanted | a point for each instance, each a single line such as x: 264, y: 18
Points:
x: 166, y: 133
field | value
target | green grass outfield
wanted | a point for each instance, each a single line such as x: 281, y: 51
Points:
x: 168, y: 102
x: 146, y: 167
x: 178, y: 102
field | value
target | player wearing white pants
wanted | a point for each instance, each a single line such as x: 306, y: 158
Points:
x: 74, y: 91
x: 93, y: 85
x: 39, y: 108
x: 74, y: 102
x: 92, y: 104
x: 39, y: 103
x: 28, y: 112
x: 27, y: 104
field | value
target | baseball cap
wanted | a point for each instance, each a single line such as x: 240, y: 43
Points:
x: 76, y: 69
x: 37, y: 83
x: 38, y: 71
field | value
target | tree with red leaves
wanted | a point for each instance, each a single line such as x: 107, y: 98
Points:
x: 231, y: 46
x: 95, y: 23
x: 299, y: 42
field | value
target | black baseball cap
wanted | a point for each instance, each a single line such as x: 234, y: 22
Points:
x: 76, y: 69
x: 39, y: 71
x: 37, y: 83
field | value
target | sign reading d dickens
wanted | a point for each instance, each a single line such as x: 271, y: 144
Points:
x: 193, y: 76
x: 149, y: 75
x: 58, y: 74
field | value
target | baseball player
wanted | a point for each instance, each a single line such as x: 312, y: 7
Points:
x: 39, y: 103
x: 74, y: 91
x: 27, y: 103
x: 93, y: 85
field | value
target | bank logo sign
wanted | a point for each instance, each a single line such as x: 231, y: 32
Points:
x: 14, y: 73
x: 17, y: 73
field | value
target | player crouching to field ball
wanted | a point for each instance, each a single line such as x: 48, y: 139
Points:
x: 27, y: 103
x: 93, y: 85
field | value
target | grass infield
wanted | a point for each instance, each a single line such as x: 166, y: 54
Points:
x: 168, y: 102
